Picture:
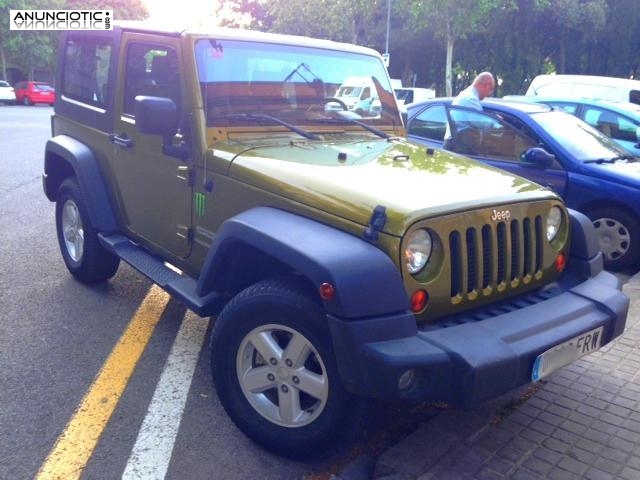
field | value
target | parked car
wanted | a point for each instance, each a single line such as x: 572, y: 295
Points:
x: 591, y: 172
x: 7, y: 94
x: 618, y: 120
x: 340, y: 260
x: 29, y: 93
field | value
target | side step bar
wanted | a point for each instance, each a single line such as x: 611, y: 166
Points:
x: 181, y: 286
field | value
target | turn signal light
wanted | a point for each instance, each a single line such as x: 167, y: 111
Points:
x: 561, y: 262
x: 327, y: 291
x: 419, y: 301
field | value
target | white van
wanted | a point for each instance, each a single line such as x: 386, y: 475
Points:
x: 359, y: 94
x: 589, y: 86
x: 407, y: 96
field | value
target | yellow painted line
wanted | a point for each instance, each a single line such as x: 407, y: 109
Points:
x: 75, y: 445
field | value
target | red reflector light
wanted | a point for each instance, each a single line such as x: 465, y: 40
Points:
x: 419, y: 301
x: 327, y: 291
x: 561, y: 262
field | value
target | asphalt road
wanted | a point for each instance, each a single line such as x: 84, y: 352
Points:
x: 56, y: 334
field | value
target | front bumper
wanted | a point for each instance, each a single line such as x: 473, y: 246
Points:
x: 477, y: 355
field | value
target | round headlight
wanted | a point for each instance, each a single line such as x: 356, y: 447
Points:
x: 554, y: 220
x: 417, y: 250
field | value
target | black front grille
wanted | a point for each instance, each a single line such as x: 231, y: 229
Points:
x: 494, y: 255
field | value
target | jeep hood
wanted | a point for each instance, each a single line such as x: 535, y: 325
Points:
x: 350, y: 178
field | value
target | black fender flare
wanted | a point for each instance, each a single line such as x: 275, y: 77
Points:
x: 586, y: 257
x: 81, y: 161
x: 366, y: 281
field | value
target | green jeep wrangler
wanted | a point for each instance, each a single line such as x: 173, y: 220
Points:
x: 341, y: 262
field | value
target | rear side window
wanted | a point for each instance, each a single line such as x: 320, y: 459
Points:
x: 430, y: 123
x: 634, y: 96
x: 85, y: 75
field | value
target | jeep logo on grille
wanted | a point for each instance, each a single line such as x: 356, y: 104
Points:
x: 498, y: 215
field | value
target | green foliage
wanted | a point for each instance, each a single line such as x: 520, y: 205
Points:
x: 37, y: 50
x: 354, y: 21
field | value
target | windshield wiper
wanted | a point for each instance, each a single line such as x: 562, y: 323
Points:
x: 350, y: 121
x: 260, y: 117
x: 629, y: 158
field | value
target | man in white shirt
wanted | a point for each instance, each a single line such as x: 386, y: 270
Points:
x: 482, y: 86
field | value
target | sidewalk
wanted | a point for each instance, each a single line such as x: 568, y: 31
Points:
x: 583, y: 422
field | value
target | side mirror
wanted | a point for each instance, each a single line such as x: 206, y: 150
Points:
x: 156, y: 116
x: 538, y: 157
x: 159, y: 116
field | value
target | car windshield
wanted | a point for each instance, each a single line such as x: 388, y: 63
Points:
x: 42, y: 87
x: 4, y: 84
x: 583, y: 142
x: 295, y: 84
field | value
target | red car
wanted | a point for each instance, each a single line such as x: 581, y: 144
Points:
x: 28, y: 93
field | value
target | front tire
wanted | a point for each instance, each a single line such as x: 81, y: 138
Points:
x: 618, y: 236
x: 275, y: 371
x: 84, y: 256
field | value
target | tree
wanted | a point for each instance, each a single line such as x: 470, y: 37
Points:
x: 31, y: 50
x: 252, y: 14
x: 355, y: 21
x: 574, y: 19
x: 452, y: 21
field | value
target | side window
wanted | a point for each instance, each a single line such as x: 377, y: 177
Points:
x: 478, y: 133
x: 606, y: 121
x: 430, y: 123
x: 151, y: 70
x: 85, y: 75
x: 627, y: 129
x: 366, y: 93
x: 634, y: 96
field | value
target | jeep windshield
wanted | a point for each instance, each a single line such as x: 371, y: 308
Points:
x: 299, y: 85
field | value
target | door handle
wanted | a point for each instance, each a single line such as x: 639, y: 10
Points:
x: 123, y: 141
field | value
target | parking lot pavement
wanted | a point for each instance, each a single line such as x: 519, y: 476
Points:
x: 583, y: 422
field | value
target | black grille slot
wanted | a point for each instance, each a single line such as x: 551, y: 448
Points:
x: 526, y: 231
x: 456, y: 264
x: 487, y: 256
x: 472, y: 260
x: 502, y: 253
x: 539, y: 237
x: 515, y: 250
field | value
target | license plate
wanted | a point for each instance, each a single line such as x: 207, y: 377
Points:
x: 565, y: 353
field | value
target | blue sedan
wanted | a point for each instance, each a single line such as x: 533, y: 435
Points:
x: 553, y: 148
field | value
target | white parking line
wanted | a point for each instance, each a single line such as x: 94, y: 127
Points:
x: 151, y: 453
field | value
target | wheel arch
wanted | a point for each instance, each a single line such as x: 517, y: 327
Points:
x: 611, y: 204
x: 66, y: 157
x: 365, y: 279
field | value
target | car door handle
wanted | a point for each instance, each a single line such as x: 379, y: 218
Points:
x: 121, y: 141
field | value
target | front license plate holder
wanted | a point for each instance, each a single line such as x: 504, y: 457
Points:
x: 566, y: 352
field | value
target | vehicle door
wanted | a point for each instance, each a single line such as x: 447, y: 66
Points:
x: 488, y: 138
x: 429, y: 125
x: 154, y: 188
x: 620, y: 128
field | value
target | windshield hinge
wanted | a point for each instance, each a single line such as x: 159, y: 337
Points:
x: 185, y: 232
x: 376, y: 223
x: 187, y: 174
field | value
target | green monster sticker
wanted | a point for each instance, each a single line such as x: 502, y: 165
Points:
x: 200, y: 202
